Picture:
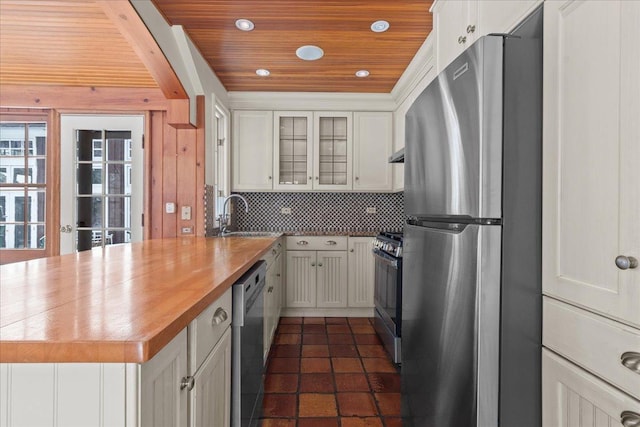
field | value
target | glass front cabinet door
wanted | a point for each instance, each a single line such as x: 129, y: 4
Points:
x: 332, y: 151
x: 293, y: 160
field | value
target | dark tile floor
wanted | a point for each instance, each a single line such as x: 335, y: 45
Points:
x: 330, y: 372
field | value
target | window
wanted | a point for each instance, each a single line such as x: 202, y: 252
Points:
x: 23, y: 182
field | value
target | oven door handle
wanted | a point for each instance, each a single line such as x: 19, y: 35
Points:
x: 384, y: 258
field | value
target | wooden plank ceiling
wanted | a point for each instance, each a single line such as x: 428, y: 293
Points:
x: 340, y: 27
x: 66, y: 43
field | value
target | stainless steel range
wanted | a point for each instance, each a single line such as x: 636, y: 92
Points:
x: 387, y: 251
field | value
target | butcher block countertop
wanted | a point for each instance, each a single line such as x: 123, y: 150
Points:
x: 122, y: 303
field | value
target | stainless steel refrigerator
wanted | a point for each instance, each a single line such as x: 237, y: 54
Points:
x: 471, y: 292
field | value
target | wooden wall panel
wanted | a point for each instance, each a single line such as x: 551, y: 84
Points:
x: 155, y: 145
x: 186, y: 177
x: 169, y: 184
x: 200, y: 165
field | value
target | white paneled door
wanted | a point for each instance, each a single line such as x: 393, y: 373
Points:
x: 591, y: 206
x: 101, y: 181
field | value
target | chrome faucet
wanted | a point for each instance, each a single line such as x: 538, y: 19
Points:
x: 223, y: 219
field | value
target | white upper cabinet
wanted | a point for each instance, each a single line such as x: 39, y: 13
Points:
x: 252, y: 150
x: 455, y: 24
x: 458, y: 23
x: 372, y: 145
x: 304, y: 150
x: 591, y: 201
x: 332, y: 144
x: 293, y: 150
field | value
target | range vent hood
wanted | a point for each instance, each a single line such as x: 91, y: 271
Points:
x: 397, y: 157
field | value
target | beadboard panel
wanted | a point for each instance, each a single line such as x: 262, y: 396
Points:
x: 65, y: 394
x: 332, y: 279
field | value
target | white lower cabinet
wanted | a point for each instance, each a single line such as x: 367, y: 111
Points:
x: 571, y: 397
x: 317, y: 271
x: 163, y: 398
x: 316, y: 279
x: 211, y: 396
x: 329, y: 276
x: 331, y: 285
x: 272, y: 294
x: 361, y: 272
x: 187, y: 383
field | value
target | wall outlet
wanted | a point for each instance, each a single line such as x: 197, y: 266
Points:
x: 186, y: 213
x: 285, y: 211
x: 187, y: 230
x: 372, y: 210
x: 170, y: 207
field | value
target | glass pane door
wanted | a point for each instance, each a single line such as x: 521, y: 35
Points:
x: 101, y: 181
x: 293, y: 150
x: 333, y: 151
x: 103, y: 187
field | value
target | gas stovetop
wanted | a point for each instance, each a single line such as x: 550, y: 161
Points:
x: 389, y: 242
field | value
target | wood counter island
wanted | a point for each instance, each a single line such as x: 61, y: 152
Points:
x: 92, y: 323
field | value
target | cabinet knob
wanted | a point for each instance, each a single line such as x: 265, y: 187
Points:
x: 269, y: 178
x: 319, y: 264
x: 630, y: 419
x: 313, y: 264
x: 219, y: 316
x: 350, y: 250
x: 631, y: 360
x: 187, y: 382
x: 471, y: 29
x: 310, y: 177
x: 626, y: 262
x: 462, y: 39
x: 278, y: 275
x: 270, y: 290
x: 357, y: 178
x: 316, y: 178
x: 273, y: 251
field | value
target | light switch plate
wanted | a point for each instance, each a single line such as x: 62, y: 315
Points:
x: 285, y: 211
x: 186, y: 213
x: 170, y: 207
x: 372, y: 210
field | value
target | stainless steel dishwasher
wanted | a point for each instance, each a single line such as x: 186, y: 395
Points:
x: 247, y: 365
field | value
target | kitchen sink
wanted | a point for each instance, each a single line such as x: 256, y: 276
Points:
x: 251, y: 234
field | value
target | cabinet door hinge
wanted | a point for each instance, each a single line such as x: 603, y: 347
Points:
x: 220, y: 142
x: 143, y: 220
x: 143, y: 141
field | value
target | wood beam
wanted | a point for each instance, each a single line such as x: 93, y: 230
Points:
x: 83, y: 98
x: 133, y: 29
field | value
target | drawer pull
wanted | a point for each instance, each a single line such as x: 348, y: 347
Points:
x: 302, y: 243
x: 630, y: 419
x: 331, y: 242
x: 220, y: 316
x: 187, y: 382
x: 631, y: 360
x: 319, y: 264
x: 313, y: 264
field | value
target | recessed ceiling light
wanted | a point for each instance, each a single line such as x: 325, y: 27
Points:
x: 244, y: 25
x: 379, y: 26
x: 362, y: 73
x: 262, y: 72
x: 309, y: 52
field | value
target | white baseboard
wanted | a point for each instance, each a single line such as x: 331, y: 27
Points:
x: 327, y: 312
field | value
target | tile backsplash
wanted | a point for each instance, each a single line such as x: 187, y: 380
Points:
x: 321, y: 212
